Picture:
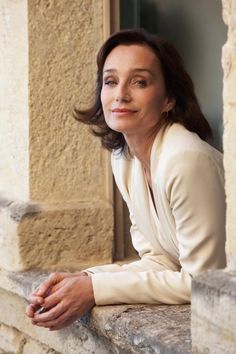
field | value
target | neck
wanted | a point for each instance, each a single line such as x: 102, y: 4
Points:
x: 140, y: 146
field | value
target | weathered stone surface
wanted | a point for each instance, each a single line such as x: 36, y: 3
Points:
x: 108, y: 329
x: 214, y: 313
x: 21, y: 283
x: 33, y: 347
x: 11, y: 340
x: 14, y: 110
x: 66, y: 161
x: 72, y: 340
x: 144, y: 329
x: 47, y: 65
x: 229, y: 9
x: 214, y: 293
x: 44, y: 152
x: 229, y: 96
x: 11, y: 214
x: 68, y: 236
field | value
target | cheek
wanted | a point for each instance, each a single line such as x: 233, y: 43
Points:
x: 157, y: 101
x: 152, y: 99
x: 102, y: 97
x: 105, y: 93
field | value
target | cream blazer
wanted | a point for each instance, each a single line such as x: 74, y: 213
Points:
x: 183, y: 236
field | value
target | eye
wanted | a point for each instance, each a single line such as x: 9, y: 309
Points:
x: 140, y: 83
x: 109, y: 82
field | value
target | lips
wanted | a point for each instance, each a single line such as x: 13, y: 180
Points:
x: 123, y: 110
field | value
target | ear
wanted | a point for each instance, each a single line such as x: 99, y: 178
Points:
x: 169, y: 104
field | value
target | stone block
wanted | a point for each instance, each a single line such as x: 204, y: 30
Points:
x: 214, y: 313
x: 11, y: 340
x: 68, y: 236
x: 34, y: 347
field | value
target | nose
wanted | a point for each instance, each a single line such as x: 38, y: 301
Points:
x: 122, y: 94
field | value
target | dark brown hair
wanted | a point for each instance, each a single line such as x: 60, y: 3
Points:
x: 178, y: 85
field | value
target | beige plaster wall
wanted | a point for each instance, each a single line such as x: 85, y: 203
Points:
x: 229, y: 138
x: 14, y: 100
x: 66, y: 162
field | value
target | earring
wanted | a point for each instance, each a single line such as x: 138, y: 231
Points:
x: 166, y: 114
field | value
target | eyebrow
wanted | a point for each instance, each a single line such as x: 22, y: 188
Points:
x: 133, y: 70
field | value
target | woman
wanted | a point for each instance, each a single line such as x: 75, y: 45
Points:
x: 146, y: 112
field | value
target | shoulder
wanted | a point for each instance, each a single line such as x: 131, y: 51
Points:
x: 178, y: 139
x: 179, y: 143
x: 183, y: 153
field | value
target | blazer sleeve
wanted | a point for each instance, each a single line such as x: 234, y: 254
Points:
x: 155, y: 278
x: 193, y: 184
x: 195, y: 188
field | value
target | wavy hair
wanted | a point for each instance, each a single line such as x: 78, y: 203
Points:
x: 178, y: 85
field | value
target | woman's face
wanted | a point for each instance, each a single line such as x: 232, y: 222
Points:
x: 133, y: 93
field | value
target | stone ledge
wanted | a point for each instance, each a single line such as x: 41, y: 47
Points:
x: 143, y: 328
x: 107, y: 329
x: 214, y: 312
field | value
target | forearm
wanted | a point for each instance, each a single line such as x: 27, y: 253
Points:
x: 149, y: 261
x: 151, y: 287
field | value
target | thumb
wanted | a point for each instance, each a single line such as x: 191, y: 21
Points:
x: 44, y: 288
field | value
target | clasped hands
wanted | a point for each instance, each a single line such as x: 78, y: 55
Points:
x: 64, y: 296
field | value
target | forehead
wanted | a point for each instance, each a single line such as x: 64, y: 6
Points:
x: 132, y: 56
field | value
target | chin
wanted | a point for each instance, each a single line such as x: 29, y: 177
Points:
x: 121, y: 127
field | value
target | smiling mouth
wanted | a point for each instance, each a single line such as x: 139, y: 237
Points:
x: 122, y: 111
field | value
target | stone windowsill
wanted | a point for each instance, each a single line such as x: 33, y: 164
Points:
x: 119, y: 329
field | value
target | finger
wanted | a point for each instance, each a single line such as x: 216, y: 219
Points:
x: 61, y: 275
x: 63, y: 325
x: 30, y: 310
x: 36, y: 300
x: 49, y: 315
x: 60, y: 322
x: 52, y: 300
x: 53, y: 279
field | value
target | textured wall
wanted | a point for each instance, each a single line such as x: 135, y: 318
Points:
x: 66, y: 162
x: 13, y: 99
x: 229, y: 96
x: 213, y: 315
x: 56, y: 164
x: 55, y: 182
x: 67, y: 236
x: 213, y: 293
